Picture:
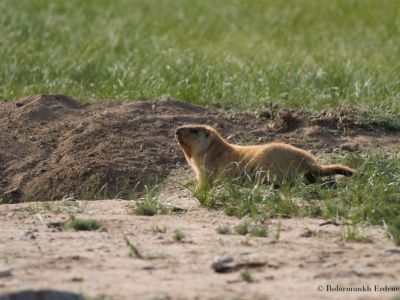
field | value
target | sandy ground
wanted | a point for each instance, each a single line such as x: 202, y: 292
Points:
x: 302, y: 263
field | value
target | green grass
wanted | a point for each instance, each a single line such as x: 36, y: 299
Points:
x: 135, y: 253
x: 230, y: 53
x: 278, y: 230
x: 178, y: 235
x: 245, y: 275
x: 83, y: 225
x: 242, y: 228
x: 353, y: 234
x: 259, y: 231
x: 379, y: 118
x: 133, y: 250
x: 371, y: 196
x: 148, y: 204
x: 223, y: 229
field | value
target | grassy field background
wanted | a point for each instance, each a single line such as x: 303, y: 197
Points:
x: 229, y: 53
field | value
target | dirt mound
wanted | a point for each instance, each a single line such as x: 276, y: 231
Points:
x: 52, y: 146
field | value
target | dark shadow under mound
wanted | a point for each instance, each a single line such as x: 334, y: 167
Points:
x: 52, y: 146
x: 41, y: 295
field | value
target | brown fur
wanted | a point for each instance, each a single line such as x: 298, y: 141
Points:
x: 211, y: 155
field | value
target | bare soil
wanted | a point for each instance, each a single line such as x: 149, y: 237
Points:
x: 52, y: 147
x: 305, y: 258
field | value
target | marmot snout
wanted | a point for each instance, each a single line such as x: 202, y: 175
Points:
x: 194, y: 139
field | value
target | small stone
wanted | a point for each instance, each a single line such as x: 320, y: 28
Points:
x: 219, y: 262
x: 76, y: 279
x: 393, y: 250
x: 5, y: 273
x: 31, y: 234
x: 157, y: 297
x: 307, y: 233
x: 330, y: 265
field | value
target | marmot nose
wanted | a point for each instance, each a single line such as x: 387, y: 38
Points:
x: 178, y: 132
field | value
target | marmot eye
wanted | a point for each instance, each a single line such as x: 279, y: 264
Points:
x: 194, y: 131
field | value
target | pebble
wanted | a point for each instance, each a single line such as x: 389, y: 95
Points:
x: 5, y: 273
x: 219, y: 262
x: 393, y: 250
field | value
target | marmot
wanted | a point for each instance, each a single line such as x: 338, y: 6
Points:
x: 210, y: 155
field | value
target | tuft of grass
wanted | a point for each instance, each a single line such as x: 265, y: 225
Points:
x: 371, y: 195
x: 242, y: 228
x: 207, y: 195
x: 96, y: 189
x: 148, y: 205
x: 178, y: 235
x: 353, y: 234
x: 278, y: 230
x: 379, y: 118
x: 157, y: 229
x: 245, y: 275
x: 83, y: 225
x: 146, y: 208
x: 259, y: 231
x: 223, y: 229
x: 134, y: 252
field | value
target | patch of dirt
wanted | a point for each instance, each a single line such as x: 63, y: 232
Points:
x: 52, y: 146
x: 303, y: 263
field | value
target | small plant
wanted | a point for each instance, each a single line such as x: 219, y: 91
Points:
x: 96, y: 189
x: 82, y: 224
x: 242, y: 228
x: 207, y: 195
x: 353, y: 234
x: 178, y: 235
x: 245, y: 275
x: 259, y: 231
x: 223, y: 229
x: 157, y: 229
x: 146, y: 208
x: 278, y: 230
x: 149, y: 204
x: 133, y: 251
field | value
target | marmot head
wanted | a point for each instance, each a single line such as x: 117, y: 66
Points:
x: 195, y: 139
